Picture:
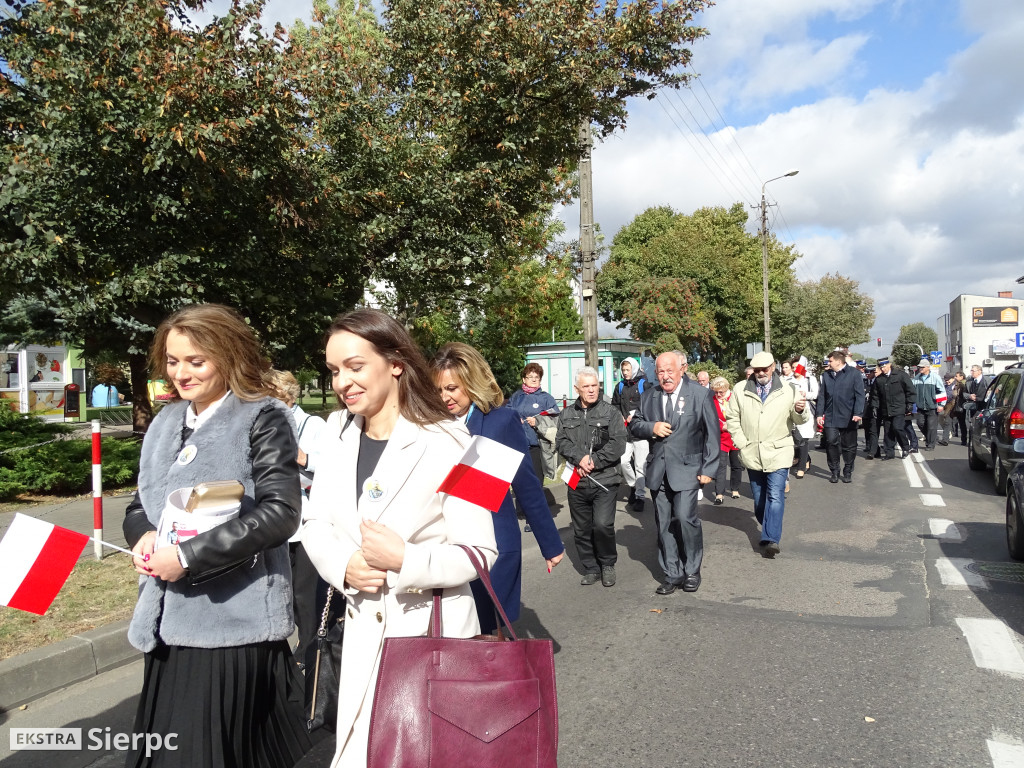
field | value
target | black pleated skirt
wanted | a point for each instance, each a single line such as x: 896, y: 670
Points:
x: 230, y: 708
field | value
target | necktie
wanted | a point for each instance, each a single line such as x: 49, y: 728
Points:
x: 762, y: 392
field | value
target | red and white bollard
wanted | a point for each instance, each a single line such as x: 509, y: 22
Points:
x: 97, y: 491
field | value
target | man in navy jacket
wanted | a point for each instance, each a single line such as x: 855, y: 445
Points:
x: 841, y: 397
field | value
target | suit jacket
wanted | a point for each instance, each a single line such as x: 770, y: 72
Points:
x: 841, y: 396
x: 693, y: 447
x: 413, y: 465
x: 503, y: 426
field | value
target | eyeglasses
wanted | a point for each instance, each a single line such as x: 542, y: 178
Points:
x: 762, y: 370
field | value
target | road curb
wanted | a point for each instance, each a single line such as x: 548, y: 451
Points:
x: 33, y: 674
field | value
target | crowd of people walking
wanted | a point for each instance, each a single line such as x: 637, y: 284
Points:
x: 351, y: 507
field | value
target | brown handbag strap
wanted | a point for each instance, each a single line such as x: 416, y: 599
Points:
x: 485, y: 578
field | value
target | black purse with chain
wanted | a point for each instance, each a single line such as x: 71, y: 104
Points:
x: 323, y: 668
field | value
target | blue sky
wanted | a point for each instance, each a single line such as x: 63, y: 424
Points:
x: 904, y: 117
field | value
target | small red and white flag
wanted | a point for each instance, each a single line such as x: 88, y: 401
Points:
x: 36, y: 559
x: 571, y: 476
x: 484, y: 473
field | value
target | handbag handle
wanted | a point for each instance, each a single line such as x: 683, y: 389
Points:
x: 485, y: 578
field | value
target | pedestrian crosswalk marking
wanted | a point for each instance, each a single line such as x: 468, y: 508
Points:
x: 992, y: 645
x: 944, y: 529
x: 953, y: 572
x: 931, y: 500
x: 1005, y: 755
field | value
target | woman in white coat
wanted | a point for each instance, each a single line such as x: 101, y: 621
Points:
x: 376, y: 527
x: 802, y: 433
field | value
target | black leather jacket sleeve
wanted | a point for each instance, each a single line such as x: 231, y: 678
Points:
x: 274, y: 517
x: 136, y: 524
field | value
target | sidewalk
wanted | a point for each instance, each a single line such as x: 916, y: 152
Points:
x: 35, y: 673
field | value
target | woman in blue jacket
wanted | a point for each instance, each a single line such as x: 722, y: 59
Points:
x: 472, y: 395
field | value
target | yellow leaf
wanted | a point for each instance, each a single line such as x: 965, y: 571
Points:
x: 869, y: 719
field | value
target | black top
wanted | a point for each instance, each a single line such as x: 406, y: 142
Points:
x: 370, y: 451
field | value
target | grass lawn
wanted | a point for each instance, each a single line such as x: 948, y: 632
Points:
x: 96, y: 593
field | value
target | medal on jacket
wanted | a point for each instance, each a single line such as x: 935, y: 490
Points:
x: 373, y: 489
x: 187, y: 454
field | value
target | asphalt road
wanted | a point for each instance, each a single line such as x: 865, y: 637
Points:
x: 867, y: 642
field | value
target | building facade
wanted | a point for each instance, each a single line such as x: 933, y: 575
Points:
x: 562, y: 359
x: 982, y: 330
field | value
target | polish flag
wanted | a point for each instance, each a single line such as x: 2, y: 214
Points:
x: 484, y: 473
x: 36, y: 559
x: 571, y: 476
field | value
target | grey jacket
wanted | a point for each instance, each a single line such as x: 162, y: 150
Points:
x: 251, y: 603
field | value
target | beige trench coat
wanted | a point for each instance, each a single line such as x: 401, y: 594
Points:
x: 413, y: 465
x: 763, y: 431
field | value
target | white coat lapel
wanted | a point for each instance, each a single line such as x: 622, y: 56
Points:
x: 400, y: 457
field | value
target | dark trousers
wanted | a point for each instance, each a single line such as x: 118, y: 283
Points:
x: 908, y: 430
x: 961, y: 422
x: 728, y: 460
x: 895, y: 433
x: 680, y: 536
x: 592, y: 511
x: 928, y: 424
x: 841, y: 440
x: 801, y: 451
x: 872, y: 425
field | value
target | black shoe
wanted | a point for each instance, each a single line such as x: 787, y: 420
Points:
x: 719, y: 500
x: 834, y: 479
x: 963, y: 444
x: 769, y: 549
x: 847, y: 479
x: 691, y: 583
x: 589, y: 578
x: 887, y: 457
x: 632, y: 496
x: 665, y: 588
x: 637, y: 505
x: 914, y: 450
x: 869, y: 456
x: 608, y: 576
x: 943, y: 442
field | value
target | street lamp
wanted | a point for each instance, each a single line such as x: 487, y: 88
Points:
x: 764, y: 258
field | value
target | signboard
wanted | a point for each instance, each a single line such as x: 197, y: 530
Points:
x: 990, y: 316
x: 1004, y: 347
x: 1020, y: 339
x: 72, y: 401
x: 936, y: 356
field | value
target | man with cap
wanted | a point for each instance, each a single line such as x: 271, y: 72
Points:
x: 893, y: 395
x: 841, y: 401
x: 872, y: 423
x: 931, y: 396
x: 760, y: 417
x: 679, y: 419
x: 626, y: 397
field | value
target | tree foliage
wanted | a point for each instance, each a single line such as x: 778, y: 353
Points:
x: 817, y: 316
x: 905, y: 350
x: 709, y: 249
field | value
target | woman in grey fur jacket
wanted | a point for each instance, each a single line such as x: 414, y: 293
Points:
x: 214, y: 609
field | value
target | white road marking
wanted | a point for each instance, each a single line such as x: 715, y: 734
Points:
x: 944, y: 529
x: 933, y: 481
x: 912, y: 478
x: 953, y: 572
x: 1005, y: 755
x: 992, y: 645
x: 931, y: 500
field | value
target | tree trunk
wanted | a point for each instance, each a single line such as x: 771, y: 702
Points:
x: 142, y: 408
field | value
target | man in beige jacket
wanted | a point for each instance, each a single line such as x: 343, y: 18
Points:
x: 760, y: 417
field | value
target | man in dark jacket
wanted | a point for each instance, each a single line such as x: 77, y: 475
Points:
x: 841, y: 395
x: 872, y: 424
x: 591, y: 437
x: 626, y: 398
x: 893, y: 395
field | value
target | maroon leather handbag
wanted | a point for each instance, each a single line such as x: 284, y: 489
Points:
x: 465, y: 703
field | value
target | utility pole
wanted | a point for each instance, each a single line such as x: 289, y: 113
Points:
x: 764, y: 259
x: 589, y: 278
x: 764, y: 272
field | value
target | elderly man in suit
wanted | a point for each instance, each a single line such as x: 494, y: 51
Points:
x: 679, y: 419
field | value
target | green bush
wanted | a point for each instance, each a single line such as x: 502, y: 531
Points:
x: 65, y: 467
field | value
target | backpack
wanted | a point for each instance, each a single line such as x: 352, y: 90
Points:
x: 640, y: 387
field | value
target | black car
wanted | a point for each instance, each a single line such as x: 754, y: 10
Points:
x: 995, y: 423
x: 1015, y: 508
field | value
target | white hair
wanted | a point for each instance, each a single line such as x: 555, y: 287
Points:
x: 586, y: 370
x: 680, y: 356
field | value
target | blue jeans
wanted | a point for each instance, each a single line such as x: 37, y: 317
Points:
x: 768, y: 489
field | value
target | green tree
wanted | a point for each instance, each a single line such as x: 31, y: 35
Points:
x: 913, y: 338
x: 148, y: 164
x: 712, y: 249
x: 448, y: 130
x: 817, y: 316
